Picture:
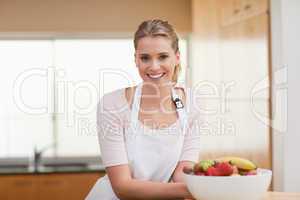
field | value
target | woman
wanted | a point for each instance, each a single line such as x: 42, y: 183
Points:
x: 145, y: 131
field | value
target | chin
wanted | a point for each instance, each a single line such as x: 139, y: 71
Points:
x: 158, y: 82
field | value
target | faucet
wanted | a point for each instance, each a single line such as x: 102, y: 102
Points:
x: 37, y: 156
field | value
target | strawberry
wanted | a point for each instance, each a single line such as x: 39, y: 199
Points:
x: 224, y: 169
x: 212, y: 171
x: 199, y: 173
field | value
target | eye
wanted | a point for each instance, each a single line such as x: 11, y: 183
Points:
x: 144, y: 58
x: 163, y: 57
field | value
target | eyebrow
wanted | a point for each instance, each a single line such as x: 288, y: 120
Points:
x: 161, y: 53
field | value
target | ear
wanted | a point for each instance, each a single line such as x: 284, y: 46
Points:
x: 177, y: 55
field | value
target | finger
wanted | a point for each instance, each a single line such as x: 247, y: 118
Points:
x: 187, y: 170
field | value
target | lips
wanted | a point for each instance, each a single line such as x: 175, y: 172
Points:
x: 156, y: 76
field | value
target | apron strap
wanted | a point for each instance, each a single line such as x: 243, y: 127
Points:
x: 181, y: 111
x: 136, y: 104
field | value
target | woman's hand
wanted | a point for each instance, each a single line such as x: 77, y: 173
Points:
x: 187, y: 169
x: 182, y: 167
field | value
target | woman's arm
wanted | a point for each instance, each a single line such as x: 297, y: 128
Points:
x: 125, y: 187
x: 183, y: 166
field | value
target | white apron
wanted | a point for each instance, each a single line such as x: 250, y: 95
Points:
x: 153, y: 154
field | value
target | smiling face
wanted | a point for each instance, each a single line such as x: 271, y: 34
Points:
x: 156, y: 59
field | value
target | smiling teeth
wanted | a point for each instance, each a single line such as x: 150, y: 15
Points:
x: 155, y: 76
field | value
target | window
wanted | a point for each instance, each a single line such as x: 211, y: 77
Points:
x: 51, y: 88
x: 22, y: 95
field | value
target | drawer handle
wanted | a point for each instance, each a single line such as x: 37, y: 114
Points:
x: 23, y: 183
x: 247, y: 7
x: 236, y: 11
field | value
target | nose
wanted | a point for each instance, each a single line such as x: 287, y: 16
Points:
x: 155, y: 64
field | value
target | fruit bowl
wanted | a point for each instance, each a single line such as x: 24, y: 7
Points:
x: 229, y: 187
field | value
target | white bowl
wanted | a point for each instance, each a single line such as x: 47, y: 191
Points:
x: 229, y: 187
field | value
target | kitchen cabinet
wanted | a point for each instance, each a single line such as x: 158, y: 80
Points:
x: 58, y: 186
x: 244, y: 61
x: 230, y: 11
x: 17, y: 187
x: 244, y: 56
x: 252, y: 8
x: 233, y: 11
x: 230, y: 46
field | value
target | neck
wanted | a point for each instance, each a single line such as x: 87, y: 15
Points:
x: 155, y: 94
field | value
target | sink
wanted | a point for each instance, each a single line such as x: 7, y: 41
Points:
x: 61, y: 167
x: 65, y: 165
x: 50, y: 165
x: 13, y: 168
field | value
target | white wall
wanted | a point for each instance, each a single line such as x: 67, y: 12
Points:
x: 285, y: 29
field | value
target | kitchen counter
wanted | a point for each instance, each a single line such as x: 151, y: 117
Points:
x: 282, y: 196
x: 51, y: 170
x: 50, y: 165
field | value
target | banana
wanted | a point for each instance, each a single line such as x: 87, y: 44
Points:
x: 241, y: 163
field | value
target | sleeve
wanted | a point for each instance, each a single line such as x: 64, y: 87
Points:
x: 191, y: 144
x: 110, y: 136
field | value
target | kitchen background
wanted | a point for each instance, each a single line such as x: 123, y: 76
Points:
x: 59, y: 57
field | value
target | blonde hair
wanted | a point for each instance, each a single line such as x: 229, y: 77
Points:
x: 157, y: 27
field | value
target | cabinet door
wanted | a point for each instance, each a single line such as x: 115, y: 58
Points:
x: 235, y: 123
x: 17, y: 187
x: 230, y: 11
x: 234, y: 11
x: 244, y: 57
x: 66, y: 186
x: 245, y: 63
x: 52, y: 186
